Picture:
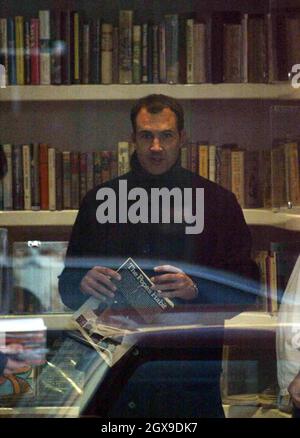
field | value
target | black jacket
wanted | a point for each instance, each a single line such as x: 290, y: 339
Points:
x: 224, y: 245
x: 3, y: 362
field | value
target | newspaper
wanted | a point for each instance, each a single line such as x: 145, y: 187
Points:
x: 111, y: 330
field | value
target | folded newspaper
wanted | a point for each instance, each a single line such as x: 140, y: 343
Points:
x: 110, y: 330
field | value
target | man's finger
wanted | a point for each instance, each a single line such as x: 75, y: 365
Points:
x: 159, y: 279
x: 108, y: 272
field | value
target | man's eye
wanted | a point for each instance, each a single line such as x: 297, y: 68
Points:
x: 146, y: 135
x: 167, y: 135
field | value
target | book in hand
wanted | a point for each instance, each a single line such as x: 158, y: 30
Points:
x: 111, y: 329
x: 134, y: 290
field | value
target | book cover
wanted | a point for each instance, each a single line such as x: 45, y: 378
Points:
x: 23, y: 340
x: 76, y: 42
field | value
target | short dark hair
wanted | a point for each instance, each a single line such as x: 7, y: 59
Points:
x: 155, y: 103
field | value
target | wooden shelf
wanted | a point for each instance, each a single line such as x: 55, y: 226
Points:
x: 281, y: 219
x: 278, y: 91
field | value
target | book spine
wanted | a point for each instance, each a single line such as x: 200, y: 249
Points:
x: 52, y: 178
x: 172, y: 65
x: 83, y: 174
x: 66, y: 54
x: 18, y: 197
x: 155, y: 62
x: 11, y: 44
x: 114, y: 164
x: 212, y: 162
x: 137, y: 54
x: 35, y: 177
x: 184, y: 157
x: 26, y: 151
x: 34, y: 51
x: 45, y: 60
x: 59, y: 179
x: 237, y: 176
x: 125, y: 46
x: 203, y: 160
x: 8, y: 179
x: 244, y: 67
x: 105, y: 166
x: 225, y: 167
x: 190, y: 51
x: 199, y: 53
x: 27, y: 53
x: 74, y: 157
x: 4, y: 47
x: 19, y: 29
x: 86, y: 54
x: 252, y: 192
x: 75, y: 44
x: 162, y: 52
x: 56, y: 49
x: 97, y: 168
x: 193, y: 152
x: 95, y: 61
x: 106, y: 53
x: 115, y: 75
x: 150, y: 53
x: 123, y: 157
x: 145, y: 53
x: 232, y: 56
x: 44, y: 176
x: 66, y: 180
x: 89, y: 171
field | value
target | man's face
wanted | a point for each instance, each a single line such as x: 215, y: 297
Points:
x: 157, y: 140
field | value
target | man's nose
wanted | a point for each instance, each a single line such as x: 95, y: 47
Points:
x: 155, y: 145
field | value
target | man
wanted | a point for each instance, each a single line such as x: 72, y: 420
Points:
x: 224, y: 243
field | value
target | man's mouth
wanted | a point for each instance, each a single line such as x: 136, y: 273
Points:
x: 156, y: 160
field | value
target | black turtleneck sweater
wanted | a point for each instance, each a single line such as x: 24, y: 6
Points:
x: 224, y: 245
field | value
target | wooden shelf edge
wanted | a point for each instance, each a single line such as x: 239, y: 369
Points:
x: 264, y: 217
x: 280, y: 90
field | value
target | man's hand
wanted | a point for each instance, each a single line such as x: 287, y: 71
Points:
x: 294, y: 390
x: 97, y: 282
x: 174, y: 284
x: 13, y: 366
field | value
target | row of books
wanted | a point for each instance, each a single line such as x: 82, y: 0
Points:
x: 64, y: 47
x: 276, y: 266
x: 40, y: 177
